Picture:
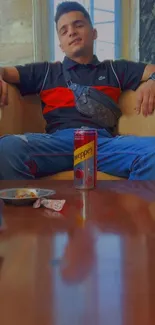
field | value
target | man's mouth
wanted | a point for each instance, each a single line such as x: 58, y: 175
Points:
x: 77, y: 40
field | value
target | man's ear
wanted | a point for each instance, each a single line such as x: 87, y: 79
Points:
x: 95, y: 35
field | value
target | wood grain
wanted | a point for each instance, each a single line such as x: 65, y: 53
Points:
x: 78, y: 269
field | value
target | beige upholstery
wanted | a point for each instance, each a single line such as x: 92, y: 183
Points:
x: 24, y: 115
x: 130, y: 122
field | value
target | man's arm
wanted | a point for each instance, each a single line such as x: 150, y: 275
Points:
x: 146, y: 92
x: 149, y: 69
x: 32, y: 77
x: 10, y: 75
x: 7, y: 75
x: 135, y: 74
x: 129, y: 73
x: 28, y: 78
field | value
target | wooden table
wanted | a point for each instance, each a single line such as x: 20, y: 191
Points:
x: 64, y: 270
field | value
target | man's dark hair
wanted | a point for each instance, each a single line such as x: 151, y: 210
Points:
x: 68, y: 6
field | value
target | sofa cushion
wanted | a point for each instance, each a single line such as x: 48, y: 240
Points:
x: 70, y: 176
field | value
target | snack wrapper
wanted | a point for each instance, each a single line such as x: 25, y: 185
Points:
x: 55, y: 205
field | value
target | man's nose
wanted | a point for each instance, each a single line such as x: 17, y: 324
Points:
x: 72, y: 31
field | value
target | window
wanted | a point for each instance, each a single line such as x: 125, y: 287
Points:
x: 106, y: 17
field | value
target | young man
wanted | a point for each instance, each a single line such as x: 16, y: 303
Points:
x: 37, y: 155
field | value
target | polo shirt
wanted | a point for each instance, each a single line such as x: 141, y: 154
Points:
x: 58, y: 105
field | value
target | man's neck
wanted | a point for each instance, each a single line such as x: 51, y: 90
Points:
x: 83, y: 60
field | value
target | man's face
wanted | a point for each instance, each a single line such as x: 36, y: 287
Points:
x: 76, y: 35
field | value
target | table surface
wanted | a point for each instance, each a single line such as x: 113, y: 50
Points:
x: 91, y: 264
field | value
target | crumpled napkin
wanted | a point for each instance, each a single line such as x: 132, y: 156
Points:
x: 55, y: 205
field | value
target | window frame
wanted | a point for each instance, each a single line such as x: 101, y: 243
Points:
x: 117, y: 25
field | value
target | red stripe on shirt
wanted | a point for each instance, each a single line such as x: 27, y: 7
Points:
x: 61, y: 97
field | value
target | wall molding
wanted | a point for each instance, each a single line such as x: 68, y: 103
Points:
x: 134, y: 35
x: 130, y: 26
x: 40, y: 19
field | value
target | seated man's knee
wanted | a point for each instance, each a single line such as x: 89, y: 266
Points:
x: 144, y: 166
x: 12, y: 152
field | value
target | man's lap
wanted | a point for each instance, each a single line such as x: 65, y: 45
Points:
x: 117, y: 156
x: 42, y: 154
x: 53, y: 153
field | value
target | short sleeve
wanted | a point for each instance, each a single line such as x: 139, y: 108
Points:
x: 32, y: 77
x: 129, y: 73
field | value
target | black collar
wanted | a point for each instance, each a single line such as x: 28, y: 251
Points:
x: 69, y: 64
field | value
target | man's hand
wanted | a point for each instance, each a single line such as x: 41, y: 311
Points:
x: 146, y: 98
x: 7, y: 75
x: 3, y: 93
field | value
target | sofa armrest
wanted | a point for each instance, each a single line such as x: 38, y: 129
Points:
x: 23, y: 114
x: 11, y: 119
x: 130, y: 122
x: 33, y: 120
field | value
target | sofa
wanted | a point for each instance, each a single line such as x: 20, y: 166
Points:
x: 23, y: 114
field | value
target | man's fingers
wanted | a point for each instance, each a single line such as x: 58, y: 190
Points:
x: 139, y: 102
x: 145, y: 104
x: 3, y: 93
x: 1, y: 104
x: 151, y: 104
x: 0, y: 87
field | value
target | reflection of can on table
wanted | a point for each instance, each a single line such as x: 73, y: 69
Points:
x: 1, y: 216
x: 85, y: 155
x: 84, y: 210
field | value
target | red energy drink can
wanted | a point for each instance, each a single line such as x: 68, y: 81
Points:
x: 85, y: 156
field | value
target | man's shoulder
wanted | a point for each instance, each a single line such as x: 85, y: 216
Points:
x: 115, y: 61
x: 118, y: 61
x: 123, y: 61
x: 109, y: 62
x: 47, y: 66
x: 55, y: 64
x: 42, y: 64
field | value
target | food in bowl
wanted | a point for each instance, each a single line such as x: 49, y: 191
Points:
x: 25, y: 193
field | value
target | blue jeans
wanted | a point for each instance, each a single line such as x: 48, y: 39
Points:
x: 32, y: 156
